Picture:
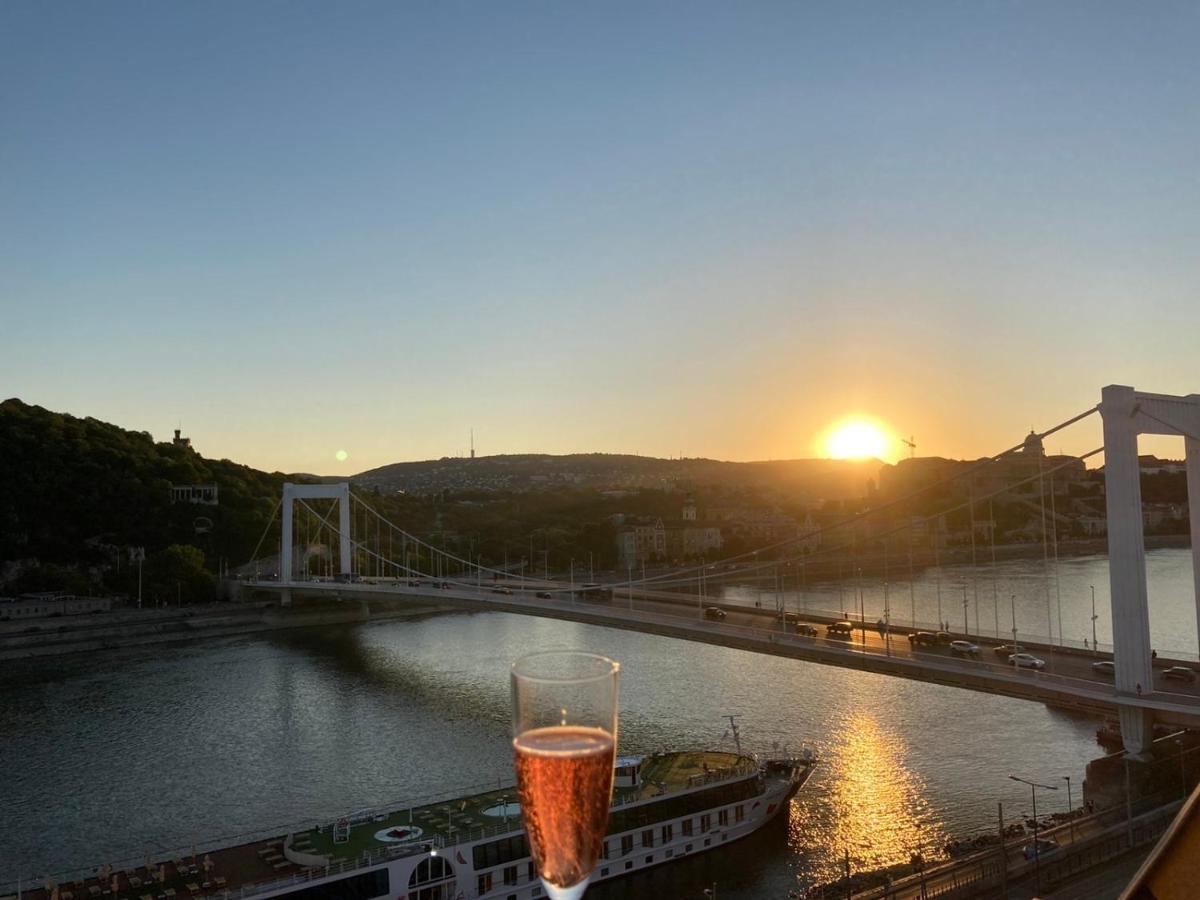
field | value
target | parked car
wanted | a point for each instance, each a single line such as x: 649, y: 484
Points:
x: 806, y: 629
x: 1179, y: 673
x: 964, y: 648
x: 714, y: 612
x: 1040, y: 847
x: 545, y: 595
x: 924, y: 638
x: 501, y: 590
x: 1026, y: 661
x: 1104, y: 667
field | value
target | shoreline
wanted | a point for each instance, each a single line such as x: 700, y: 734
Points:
x: 31, y: 639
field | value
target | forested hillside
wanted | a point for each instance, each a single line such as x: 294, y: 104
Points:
x: 75, y: 494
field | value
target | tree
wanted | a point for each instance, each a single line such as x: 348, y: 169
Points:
x: 177, y: 574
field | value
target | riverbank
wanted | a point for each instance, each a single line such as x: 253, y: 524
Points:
x: 131, y: 628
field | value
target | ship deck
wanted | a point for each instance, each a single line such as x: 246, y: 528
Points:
x: 472, y: 818
x: 189, y: 876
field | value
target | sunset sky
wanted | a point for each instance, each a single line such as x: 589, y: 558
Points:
x: 700, y: 229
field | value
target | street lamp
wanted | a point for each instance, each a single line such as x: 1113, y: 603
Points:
x: 1094, y: 647
x: 1037, y: 853
x: 1070, y: 807
x: 966, y: 628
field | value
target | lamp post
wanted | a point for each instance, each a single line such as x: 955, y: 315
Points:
x: 1094, y: 647
x: 966, y: 628
x: 1013, y: 600
x: 1070, y: 807
x: 1037, y: 853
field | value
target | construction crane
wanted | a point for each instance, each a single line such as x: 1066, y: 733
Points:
x: 911, y: 443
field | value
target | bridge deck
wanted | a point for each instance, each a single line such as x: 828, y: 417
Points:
x: 1068, y: 679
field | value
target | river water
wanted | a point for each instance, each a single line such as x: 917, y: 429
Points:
x: 108, y: 756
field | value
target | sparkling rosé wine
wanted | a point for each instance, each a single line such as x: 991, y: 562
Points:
x: 565, y: 775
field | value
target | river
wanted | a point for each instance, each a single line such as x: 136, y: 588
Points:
x: 108, y: 756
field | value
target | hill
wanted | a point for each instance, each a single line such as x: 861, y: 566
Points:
x: 802, y: 479
x: 76, y: 494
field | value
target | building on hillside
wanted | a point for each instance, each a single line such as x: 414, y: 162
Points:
x: 203, y: 494
x: 1023, y: 474
x: 179, y: 441
x: 1152, y: 465
x: 642, y: 543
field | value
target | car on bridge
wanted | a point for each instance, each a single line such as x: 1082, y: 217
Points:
x: 1040, y: 848
x: 1026, y: 661
x: 789, y: 617
x: 839, y: 630
x: 545, y: 595
x: 502, y: 590
x: 924, y: 638
x: 1104, y: 667
x: 1006, y: 649
x: 964, y: 648
x: 806, y: 629
x: 1179, y: 673
x: 714, y: 612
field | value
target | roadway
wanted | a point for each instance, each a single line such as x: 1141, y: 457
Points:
x: 1067, y: 680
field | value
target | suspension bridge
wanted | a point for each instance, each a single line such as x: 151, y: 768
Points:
x: 377, y: 558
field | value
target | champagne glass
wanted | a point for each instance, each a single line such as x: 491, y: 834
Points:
x: 565, y: 744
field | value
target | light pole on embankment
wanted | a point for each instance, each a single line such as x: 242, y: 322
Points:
x: 1037, y: 851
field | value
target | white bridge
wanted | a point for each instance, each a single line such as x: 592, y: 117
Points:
x: 674, y: 604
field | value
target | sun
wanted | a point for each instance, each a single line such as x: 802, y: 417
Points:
x: 857, y: 438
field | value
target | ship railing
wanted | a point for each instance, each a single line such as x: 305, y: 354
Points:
x: 729, y: 773
x: 363, y: 861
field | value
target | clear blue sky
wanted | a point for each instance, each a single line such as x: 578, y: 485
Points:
x: 700, y: 228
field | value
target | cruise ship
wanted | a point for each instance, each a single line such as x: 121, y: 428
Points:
x: 665, y: 806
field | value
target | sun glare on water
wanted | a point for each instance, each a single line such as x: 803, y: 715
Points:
x: 858, y: 439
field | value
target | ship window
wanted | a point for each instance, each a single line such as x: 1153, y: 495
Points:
x: 723, y: 817
x: 434, y: 868
x: 668, y: 833
x: 604, y: 851
x: 687, y: 849
x: 628, y: 865
x: 604, y: 872
x: 707, y: 841
x: 648, y: 837
x: 627, y: 845
x: 650, y: 859
x: 670, y: 853
x: 648, y: 814
x: 511, y: 897
x: 705, y: 822
x: 686, y: 828
x: 497, y: 853
x: 739, y: 813
x: 530, y: 871
x: 356, y: 887
x: 485, y: 883
x: 510, y: 874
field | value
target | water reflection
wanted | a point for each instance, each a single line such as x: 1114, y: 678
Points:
x: 874, y: 809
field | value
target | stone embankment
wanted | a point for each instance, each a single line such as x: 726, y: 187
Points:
x: 132, y: 627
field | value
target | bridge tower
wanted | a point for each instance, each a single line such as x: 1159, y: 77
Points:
x: 1126, y: 414
x: 294, y: 492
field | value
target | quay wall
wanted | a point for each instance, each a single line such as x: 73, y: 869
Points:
x: 131, y: 628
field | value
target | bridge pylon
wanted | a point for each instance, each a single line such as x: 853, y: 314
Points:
x: 1126, y: 414
x: 294, y: 492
